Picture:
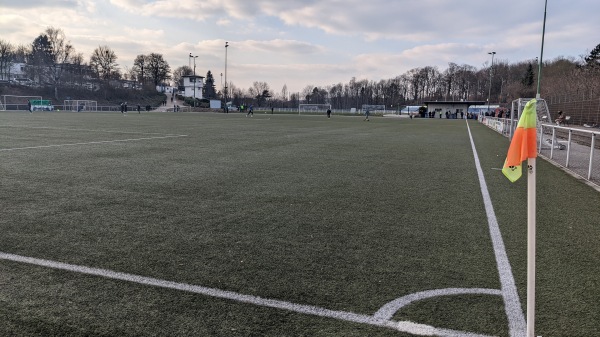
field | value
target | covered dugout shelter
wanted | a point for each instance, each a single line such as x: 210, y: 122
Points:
x: 40, y: 105
x: 449, y: 109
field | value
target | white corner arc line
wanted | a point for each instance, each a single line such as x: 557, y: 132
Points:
x: 512, y: 305
x: 387, y: 311
x: 404, y: 326
x: 91, y: 143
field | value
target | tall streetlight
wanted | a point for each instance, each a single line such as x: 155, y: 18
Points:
x: 226, y: 107
x: 491, y: 69
x: 194, y: 81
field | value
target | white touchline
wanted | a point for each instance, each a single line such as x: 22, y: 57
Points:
x: 404, y: 326
x: 87, y: 130
x: 512, y: 305
x: 91, y: 143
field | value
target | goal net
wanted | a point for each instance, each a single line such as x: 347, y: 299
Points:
x: 13, y: 102
x: 81, y: 105
x: 373, y: 108
x: 313, y: 109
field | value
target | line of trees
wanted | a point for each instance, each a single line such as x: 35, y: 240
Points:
x: 52, y: 60
x: 503, y: 82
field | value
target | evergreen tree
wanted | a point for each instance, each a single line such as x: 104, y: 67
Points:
x: 209, y: 86
x: 527, y: 80
x: 593, y: 60
x: 40, y: 58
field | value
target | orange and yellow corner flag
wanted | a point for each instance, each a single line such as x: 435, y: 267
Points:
x: 524, y: 143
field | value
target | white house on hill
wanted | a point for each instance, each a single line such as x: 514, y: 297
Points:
x: 190, y: 82
x: 12, y: 71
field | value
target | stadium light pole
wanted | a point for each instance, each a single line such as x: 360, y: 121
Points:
x: 490, y: 89
x: 226, y: 107
x: 194, y: 82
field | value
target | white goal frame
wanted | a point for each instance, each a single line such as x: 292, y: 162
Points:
x: 373, y: 108
x: 25, y: 99
x: 312, y: 109
x: 80, y: 105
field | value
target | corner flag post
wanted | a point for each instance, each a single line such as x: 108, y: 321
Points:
x: 531, y: 210
x: 531, y: 244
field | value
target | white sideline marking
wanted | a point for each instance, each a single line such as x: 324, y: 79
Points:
x: 88, y: 130
x: 91, y: 143
x: 404, y: 326
x: 512, y: 305
x: 388, y: 310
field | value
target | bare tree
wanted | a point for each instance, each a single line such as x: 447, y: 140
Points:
x: 306, y: 94
x: 158, y: 68
x: 284, y: 93
x: 21, y: 53
x: 336, y: 98
x: 140, y: 68
x: 235, y: 94
x: 130, y: 74
x: 259, y: 91
x: 78, y: 68
x: 60, y: 50
x: 179, y: 72
x: 104, y: 62
x: 6, y: 59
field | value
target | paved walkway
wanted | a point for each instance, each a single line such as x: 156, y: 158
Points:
x: 169, y: 106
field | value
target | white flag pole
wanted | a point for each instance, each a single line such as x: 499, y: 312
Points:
x: 531, y: 210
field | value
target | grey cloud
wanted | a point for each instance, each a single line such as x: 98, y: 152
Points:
x: 284, y: 47
x: 27, y: 4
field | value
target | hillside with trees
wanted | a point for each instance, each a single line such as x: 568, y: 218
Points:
x: 52, y: 62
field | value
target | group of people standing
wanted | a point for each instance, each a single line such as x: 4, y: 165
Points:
x: 138, y: 108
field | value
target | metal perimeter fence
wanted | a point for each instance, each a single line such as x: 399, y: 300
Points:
x: 130, y: 108
x: 573, y: 148
x: 117, y: 108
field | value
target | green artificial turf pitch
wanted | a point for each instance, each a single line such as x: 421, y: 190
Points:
x: 340, y: 214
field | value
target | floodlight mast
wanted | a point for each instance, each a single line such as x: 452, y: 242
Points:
x: 194, y: 81
x: 491, y: 72
x: 225, y: 88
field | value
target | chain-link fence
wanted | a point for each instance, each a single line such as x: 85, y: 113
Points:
x: 583, y: 107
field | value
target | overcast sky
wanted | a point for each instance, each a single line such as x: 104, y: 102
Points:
x: 311, y: 42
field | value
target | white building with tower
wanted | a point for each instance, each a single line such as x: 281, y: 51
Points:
x: 193, y: 85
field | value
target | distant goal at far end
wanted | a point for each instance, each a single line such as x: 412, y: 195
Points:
x: 14, y: 102
x: 81, y: 105
x: 313, y: 109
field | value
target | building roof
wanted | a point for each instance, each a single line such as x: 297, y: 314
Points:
x: 196, y: 76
